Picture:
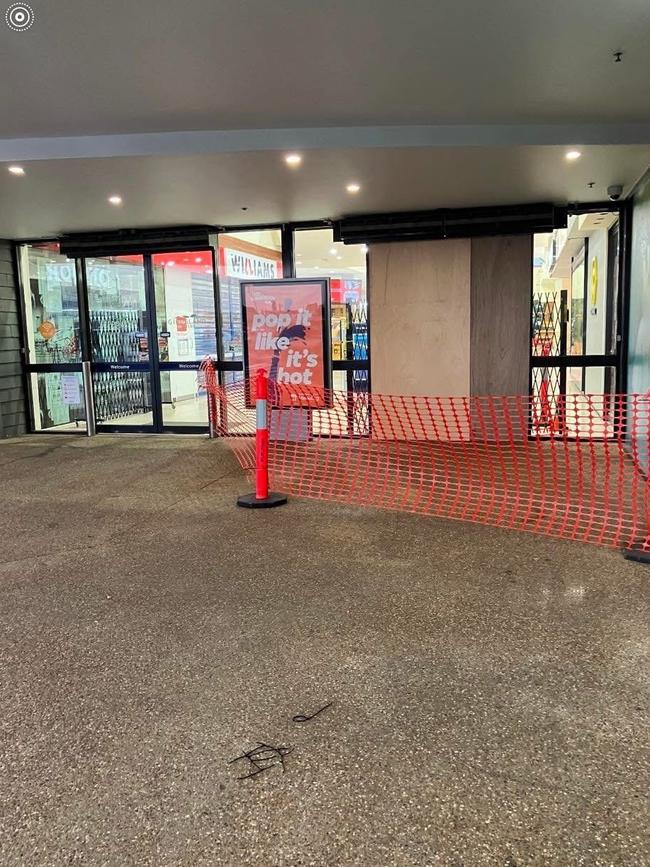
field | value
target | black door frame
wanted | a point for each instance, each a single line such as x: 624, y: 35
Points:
x: 618, y: 358
x: 154, y: 366
x: 117, y: 367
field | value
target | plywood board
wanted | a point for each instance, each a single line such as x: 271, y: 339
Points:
x: 501, y: 276
x: 420, y: 317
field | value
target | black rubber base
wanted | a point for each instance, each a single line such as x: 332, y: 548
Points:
x: 250, y: 501
x: 637, y: 555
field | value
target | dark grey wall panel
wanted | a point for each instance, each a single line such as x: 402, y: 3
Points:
x: 500, y: 292
x: 12, y: 395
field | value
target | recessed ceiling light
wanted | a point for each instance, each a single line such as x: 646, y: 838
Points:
x: 293, y: 160
x: 353, y: 188
x: 171, y: 264
x: 197, y: 260
x: 573, y: 155
x: 17, y: 170
x: 115, y: 200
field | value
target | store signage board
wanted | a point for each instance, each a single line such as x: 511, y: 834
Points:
x: 286, y: 332
x: 243, y: 265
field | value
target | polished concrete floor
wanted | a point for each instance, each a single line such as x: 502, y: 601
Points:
x: 490, y: 690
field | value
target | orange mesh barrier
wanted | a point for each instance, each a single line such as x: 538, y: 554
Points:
x: 573, y: 469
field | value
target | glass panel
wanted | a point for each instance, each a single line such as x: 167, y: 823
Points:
x: 361, y: 412
x: 123, y: 397
x: 333, y: 422
x: 58, y: 401
x: 182, y: 401
x: 119, y: 329
x: 575, y: 287
x: 51, y: 309
x: 591, y: 380
x: 577, y: 308
x: 185, y: 318
x: 318, y: 256
x: 578, y: 401
x: 250, y: 255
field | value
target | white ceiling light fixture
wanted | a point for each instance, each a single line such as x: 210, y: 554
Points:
x: 573, y: 155
x: 115, y: 200
x: 16, y: 170
x: 353, y: 187
x: 293, y: 160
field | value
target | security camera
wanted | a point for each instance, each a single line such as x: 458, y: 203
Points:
x: 615, y: 192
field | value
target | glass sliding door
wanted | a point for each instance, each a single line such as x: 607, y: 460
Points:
x: 186, y: 332
x: 120, y: 341
x: 53, y: 334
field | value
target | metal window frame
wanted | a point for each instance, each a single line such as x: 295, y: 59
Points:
x: 30, y: 368
x: 349, y: 365
x: 617, y: 359
x: 287, y: 229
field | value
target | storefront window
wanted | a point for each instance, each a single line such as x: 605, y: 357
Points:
x: 575, y: 290
x: 185, y: 305
x: 186, y: 331
x: 51, y: 305
x: 119, y: 331
x: 250, y: 255
x: 575, y: 287
x: 58, y: 401
x: 317, y: 255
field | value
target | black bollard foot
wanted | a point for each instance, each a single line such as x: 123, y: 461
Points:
x: 250, y: 501
x: 638, y: 554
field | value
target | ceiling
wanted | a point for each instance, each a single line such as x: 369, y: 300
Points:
x: 72, y: 195
x: 107, y: 67
x: 186, y: 110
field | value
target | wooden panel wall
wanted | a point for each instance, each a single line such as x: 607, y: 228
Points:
x: 500, y: 300
x: 420, y: 317
x: 12, y: 395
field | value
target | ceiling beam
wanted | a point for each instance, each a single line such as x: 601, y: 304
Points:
x: 235, y: 141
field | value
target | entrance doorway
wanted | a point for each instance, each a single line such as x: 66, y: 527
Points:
x: 576, y: 360
x: 151, y: 321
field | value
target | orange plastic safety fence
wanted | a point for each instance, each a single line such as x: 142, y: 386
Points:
x: 576, y: 470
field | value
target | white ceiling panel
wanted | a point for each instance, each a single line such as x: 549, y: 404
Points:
x: 71, y: 195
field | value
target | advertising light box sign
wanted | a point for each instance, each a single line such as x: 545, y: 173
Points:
x: 286, y: 333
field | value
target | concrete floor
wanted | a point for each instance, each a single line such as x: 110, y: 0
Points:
x: 490, y: 690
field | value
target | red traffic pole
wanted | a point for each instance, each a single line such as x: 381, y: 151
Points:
x: 261, y: 436
x: 262, y: 498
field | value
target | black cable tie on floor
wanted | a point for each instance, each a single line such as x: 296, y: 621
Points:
x: 301, y: 718
x: 263, y: 757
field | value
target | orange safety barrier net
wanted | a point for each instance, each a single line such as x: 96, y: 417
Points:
x: 574, y: 468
